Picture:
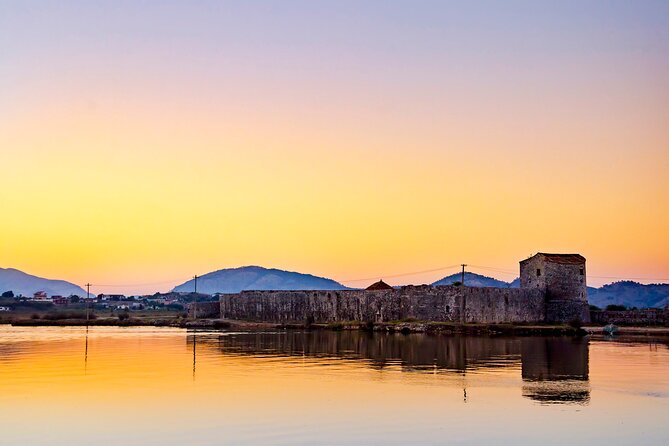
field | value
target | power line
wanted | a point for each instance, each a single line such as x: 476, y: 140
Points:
x: 493, y: 268
x: 495, y: 271
x: 646, y: 279
x: 88, y: 298
x: 516, y: 273
x: 402, y: 274
x: 498, y: 270
x: 117, y: 285
x: 390, y: 276
x: 194, y: 307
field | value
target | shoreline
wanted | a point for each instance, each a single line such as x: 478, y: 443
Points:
x: 445, y: 328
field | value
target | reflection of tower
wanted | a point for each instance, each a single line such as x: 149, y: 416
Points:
x: 555, y: 370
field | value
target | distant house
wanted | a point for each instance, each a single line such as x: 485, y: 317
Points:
x: 59, y: 300
x: 378, y: 286
x: 40, y: 295
x: 113, y: 297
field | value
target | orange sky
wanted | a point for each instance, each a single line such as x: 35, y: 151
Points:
x: 347, y: 143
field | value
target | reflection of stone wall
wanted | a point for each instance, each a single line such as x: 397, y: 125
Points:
x: 554, y: 358
x: 555, y: 369
x: 443, y: 303
x: 557, y: 392
x: 412, y: 352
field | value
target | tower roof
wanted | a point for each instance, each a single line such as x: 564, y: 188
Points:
x: 380, y: 285
x: 565, y: 259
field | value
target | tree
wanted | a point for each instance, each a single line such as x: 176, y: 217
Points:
x: 614, y: 307
x: 74, y: 299
x: 9, y: 293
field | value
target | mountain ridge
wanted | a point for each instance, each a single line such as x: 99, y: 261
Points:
x: 630, y: 294
x: 253, y: 277
x: 22, y: 283
x: 474, y: 279
x: 627, y: 292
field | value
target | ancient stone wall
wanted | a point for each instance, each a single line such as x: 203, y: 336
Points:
x: 565, y: 282
x: 562, y: 281
x: 443, y: 303
x: 533, y: 273
x: 565, y: 311
x: 559, y: 280
x: 495, y: 305
x: 650, y: 316
x: 205, y: 309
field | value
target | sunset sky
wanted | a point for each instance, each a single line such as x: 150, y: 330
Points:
x: 144, y: 142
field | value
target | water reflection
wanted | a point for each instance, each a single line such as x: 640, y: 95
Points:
x: 194, y: 336
x: 86, y: 353
x: 553, y: 369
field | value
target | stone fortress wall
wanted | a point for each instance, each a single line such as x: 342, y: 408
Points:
x: 425, y: 303
x: 562, y: 278
x: 552, y: 290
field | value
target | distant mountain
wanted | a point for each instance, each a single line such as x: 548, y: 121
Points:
x: 234, y: 280
x: 24, y: 284
x: 630, y: 294
x: 473, y: 279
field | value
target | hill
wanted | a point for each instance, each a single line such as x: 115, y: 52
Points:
x: 630, y: 294
x: 234, y: 280
x: 21, y: 283
x: 473, y: 279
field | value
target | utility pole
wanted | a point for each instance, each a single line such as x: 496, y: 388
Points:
x: 195, y: 298
x: 88, y: 294
x: 463, y: 275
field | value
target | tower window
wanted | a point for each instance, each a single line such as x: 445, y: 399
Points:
x: 538, y: 272
x: 581, y: 271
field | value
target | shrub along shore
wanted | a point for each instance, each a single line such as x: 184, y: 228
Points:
x: 63, y: 319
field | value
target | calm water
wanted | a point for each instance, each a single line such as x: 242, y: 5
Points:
x: 145, y: 386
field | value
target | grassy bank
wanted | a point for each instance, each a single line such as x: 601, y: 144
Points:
x: 447, y: 328
x: 116, y: 322
x: 410, y: 326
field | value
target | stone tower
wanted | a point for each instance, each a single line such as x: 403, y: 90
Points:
x: 561, y: 277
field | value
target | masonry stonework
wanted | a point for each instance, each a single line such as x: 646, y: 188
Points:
x: 561, y: 278
x: 442, y: 303
x: 552, y: 290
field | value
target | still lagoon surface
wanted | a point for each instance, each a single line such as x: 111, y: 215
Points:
x: 161, y: 386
